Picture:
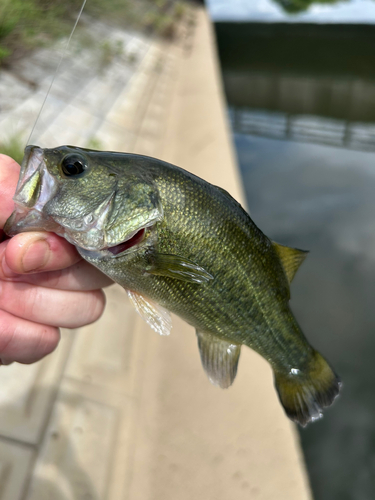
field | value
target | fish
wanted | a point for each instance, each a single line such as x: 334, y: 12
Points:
x: 179, y: 244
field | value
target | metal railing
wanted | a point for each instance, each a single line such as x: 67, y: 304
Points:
x: 303, y: 128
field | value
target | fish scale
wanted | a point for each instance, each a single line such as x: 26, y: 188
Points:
x: 180, y: 244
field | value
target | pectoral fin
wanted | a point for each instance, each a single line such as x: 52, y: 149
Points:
x: 155, y: 315
x: 219, y: 359
x: 291, y: 259
x: 173, y: 266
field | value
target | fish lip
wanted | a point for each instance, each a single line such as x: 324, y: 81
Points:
x: 27, y: 158
x: 24, y: 220
x: 28, y: 216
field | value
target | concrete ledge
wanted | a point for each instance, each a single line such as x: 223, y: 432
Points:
x: 130, y: 415
x: 195, y: 440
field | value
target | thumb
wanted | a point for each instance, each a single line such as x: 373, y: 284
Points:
x: 9, y: 172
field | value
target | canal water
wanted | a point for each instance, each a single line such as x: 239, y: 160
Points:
x: 301, y: 101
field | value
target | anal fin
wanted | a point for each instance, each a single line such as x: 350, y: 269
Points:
x: 154, y: 314
x: 219, y: 359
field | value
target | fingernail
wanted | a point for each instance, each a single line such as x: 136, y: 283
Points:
x: 5, y: 270
x: 36, y: 256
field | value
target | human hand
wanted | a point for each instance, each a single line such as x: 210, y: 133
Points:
x: 44, y: 285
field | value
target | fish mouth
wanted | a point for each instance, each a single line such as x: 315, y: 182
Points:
x: 129, y: 243
x: 128, y: 246
x: 35, y: 187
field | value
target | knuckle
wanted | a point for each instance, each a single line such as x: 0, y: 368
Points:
x: 53, y: 278
x: 47, y: 341
x: 6, y: 335
x: 12, y: 297
x: 95, y: 303
x: 32, y: 304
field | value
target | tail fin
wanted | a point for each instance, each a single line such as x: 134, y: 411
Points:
x: 304, y: 394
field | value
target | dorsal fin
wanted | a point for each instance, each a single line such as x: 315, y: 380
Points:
x: 219, y: 359
x: 291, y: 259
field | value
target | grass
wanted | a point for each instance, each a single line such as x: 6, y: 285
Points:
x: 297, y: 6
x: 26, y: 24
x: 108, y: 51
x: 94, y: 143
x: 14, y: 148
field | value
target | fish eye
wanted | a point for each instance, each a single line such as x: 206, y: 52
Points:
x: 73, y: 165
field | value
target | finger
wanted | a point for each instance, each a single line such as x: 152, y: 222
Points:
x: 51, y: 307
x: 39, y: 251
x: 80, y: 276
x: 9, y: 172
x: 25, y: 341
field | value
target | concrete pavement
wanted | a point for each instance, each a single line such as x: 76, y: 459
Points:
x: 118, y: 412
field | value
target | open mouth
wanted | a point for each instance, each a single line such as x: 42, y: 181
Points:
x: 131, y: 242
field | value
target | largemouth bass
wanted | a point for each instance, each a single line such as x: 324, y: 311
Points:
x: 177, y: 243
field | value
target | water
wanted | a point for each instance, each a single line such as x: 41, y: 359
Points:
x: 294, y: 11
x: 301, y: 100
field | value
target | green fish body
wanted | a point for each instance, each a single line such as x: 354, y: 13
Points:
x: 177, y: 243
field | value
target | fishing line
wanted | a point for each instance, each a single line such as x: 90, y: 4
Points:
x: 63, y: 54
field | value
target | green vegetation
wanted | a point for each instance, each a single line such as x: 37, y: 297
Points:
x: 26, y: 24
x: 14, y: 148
x: 108, y: 51
x: 94, y: 143
x: 296, y: 6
